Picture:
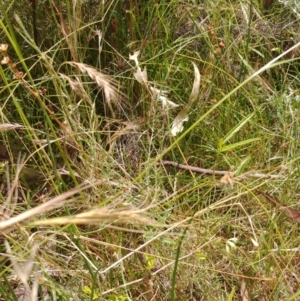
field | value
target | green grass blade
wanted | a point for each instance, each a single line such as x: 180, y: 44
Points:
x: 237, y: 128
x: 238, y: 144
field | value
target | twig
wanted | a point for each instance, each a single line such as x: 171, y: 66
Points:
x: 218, y: 172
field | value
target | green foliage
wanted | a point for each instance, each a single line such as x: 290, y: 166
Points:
x: 80, y: 108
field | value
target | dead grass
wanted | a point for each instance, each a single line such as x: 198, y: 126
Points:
x: 102, y: 198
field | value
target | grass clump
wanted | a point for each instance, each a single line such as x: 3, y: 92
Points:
x: 149, y: 150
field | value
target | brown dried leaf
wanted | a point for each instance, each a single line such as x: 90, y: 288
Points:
x: 5, y: 60
x: 289, y: 212
x: 227, y: 180
x: 3, y: 47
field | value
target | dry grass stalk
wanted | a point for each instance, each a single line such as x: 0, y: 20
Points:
x: 58, y: 201
x: 70, y: 39
x: 109, y: 86
x: 104, y: 215
x: 23, y: 272
x: 9, y: 126
x: 77, y: 87
x: 244, y: 291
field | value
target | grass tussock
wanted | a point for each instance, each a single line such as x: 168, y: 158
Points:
x: 149, y: 150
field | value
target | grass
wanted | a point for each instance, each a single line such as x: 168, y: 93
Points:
x: 90, y: 208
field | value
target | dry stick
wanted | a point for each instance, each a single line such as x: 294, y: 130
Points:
x: 218, y: 172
